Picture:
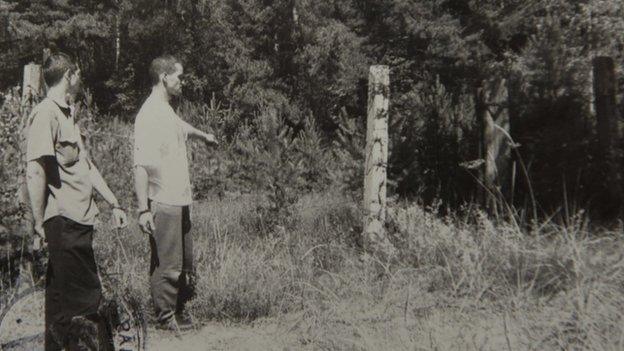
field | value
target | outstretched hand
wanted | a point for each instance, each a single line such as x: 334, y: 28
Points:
x: 210, y: 140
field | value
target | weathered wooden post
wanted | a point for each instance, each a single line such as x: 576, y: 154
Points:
x: 493, y: 114
x: 605, y: 89
x: 31, y: 90
x: 31, y: 86
x: 376, y: 161
x: 514, y: 103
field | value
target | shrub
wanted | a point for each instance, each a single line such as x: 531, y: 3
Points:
x: 12, y: 167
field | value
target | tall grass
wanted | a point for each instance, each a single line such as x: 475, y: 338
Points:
x: 458, y: 282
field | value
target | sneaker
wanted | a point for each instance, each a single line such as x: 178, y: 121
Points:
x: 184, y: 321
x: 169, y: 325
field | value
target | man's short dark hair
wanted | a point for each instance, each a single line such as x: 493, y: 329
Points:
x: 55, y: 67
x: 160, y: 65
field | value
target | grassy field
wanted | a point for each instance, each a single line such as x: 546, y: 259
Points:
x: 458, y: 283
x: 285, y: 269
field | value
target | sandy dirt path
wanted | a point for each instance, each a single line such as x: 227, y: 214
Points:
x: 218, y: 336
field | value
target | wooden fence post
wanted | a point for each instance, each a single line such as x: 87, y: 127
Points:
x: 514, y: 104
x: 31, y: 90
x: 376, y: 161
x: 605, y: 90
x: 31, y: 86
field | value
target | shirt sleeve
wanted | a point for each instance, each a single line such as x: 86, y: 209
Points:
x: 82, y: 140
x: 40, y: 136
x: 184, y: 126
x: 145, y: 143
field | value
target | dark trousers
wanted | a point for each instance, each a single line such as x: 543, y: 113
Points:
x: 171, y: 268
x: 73, y: 291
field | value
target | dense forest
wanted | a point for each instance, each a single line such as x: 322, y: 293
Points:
x: 308, y: 60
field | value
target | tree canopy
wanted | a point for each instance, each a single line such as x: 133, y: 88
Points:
x: 310, y: 59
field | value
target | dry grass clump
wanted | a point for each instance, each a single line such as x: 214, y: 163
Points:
x: 471, y: 285
x: 588, y: 314
x: 482, y: 259
x: 241, y: 275
x: 244, y: 275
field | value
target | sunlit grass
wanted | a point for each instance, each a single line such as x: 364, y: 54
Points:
x: 477, y: 285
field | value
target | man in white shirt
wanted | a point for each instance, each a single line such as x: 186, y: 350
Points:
x: 163, y: 189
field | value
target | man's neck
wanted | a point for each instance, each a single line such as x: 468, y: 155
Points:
x: 58, y: 94
x: 160, y: 93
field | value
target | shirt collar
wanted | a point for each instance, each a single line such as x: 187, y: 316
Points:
x: 65, y: 109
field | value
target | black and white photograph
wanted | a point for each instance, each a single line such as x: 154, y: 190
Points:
x: 410, y: 175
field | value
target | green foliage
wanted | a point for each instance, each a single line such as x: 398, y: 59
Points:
x: 12, y: 167
x: 431, y: 142
x: 348, y: 149
x: 281, y: 163
x: 553, y: 119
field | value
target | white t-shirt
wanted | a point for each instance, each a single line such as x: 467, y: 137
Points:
x: 160, y: 147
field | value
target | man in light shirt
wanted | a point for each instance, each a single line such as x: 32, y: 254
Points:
x: 163, y: 189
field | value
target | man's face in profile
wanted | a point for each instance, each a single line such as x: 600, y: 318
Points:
x: 74, y: 81
x: 172, y: 81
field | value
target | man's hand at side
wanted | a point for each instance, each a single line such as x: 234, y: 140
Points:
x: 146, y: 222
x: 39, y: 241
x: 119, y: 217
x: 120, y: 220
